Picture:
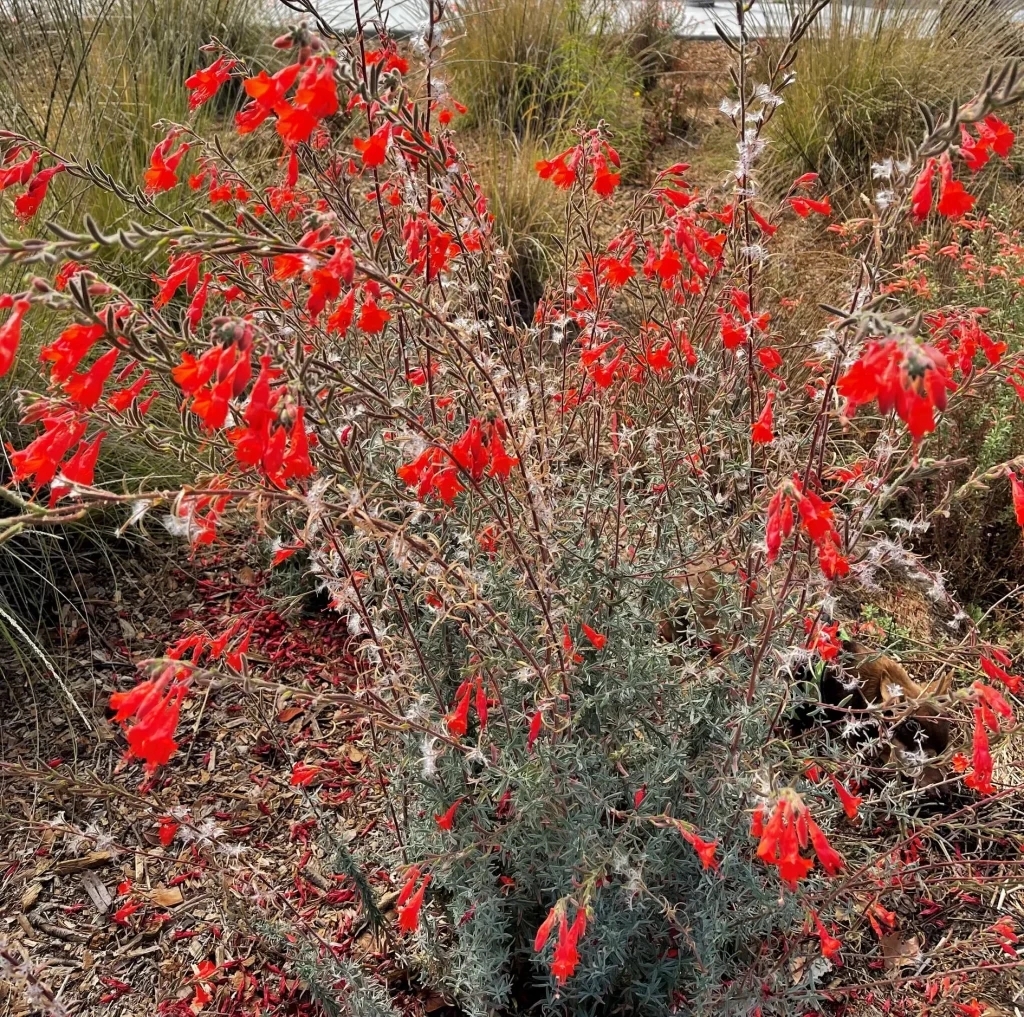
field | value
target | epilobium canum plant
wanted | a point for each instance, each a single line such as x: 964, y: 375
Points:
x: 586, y: 817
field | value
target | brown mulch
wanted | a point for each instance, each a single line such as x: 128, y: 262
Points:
x: 114, y: 920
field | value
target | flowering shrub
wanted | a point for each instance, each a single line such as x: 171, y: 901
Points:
x: 584, y: 815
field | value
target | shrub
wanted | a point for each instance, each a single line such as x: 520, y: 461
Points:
x: 537, y: 68
x: 586, y: 818
x: 527, y: 213
x: 864, y: 70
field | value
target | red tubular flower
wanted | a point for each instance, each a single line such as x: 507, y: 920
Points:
x: 342, y: 315
x: 501, y: 462
x: 779, y: 523
x: 266, y: 92
x: 761, y: 433
x: 981, y: 758
x: 317, y: 91
x: 374, y: 150
x: 155, y: 709
x: 596, y: 638
x: 994, y: 671
x: 181, y: 271
x: 211, y: 404
x: 204, y: 83
x: 411, y: 879
x: 921, y: 194
x: 168, y: 828
x: 163, y: 164
x: 27, y: 204
x: 409, y: 916
x: 562, y: 171
x: 535, y: 725
x: 850, y: 801
x: 69, y: 348
x: 954, y: 201
x: 41, y: 458
x: 804, y: 206
x: 1016, y: 487
x: 194, y: 314
x: 563, y: 965
x: 830, y: 859
x: 705, y: 849
x: 10, y: 335
x: 297, y: 463
x: 236, y: 657
x: 191, y: 374
x: 458, y: 720
x: 993, y: 706
x: 733, y: 333
x: 605, y: 181
x: 18, y: 173
x: 996, y: 135
x: 87, y: 387
x: 444, y: 822
x: 975, y: 153
x: 80, y: 468
x: 833, y: 565
x: 830, y: 946
x: 294, y: 124
x: 371, y: 317
x: 303, y: 774
x: 123, y: 913
x: 544, y: 930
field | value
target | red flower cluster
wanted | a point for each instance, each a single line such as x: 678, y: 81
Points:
x: 69, y: 348
x: 990, y: 707
x: 479, y: 450
x: 568, y: 168
x: 40, y: 460
x: 816, y: 521
x: 789, y: 830
x: 315, y: 99
x: 805, y: 206
x: 219, y: 373
x: 80, y: 469
x: 155, y: 705
x: 993, y: 669
x: 954, y: 201
x: 566, y: 957
x: 409, y: 903
x: 458, y: 720
x: 994, y: 137
x: 264, y: 444
x: 911, y: 379
x: 204, y: 83
x: 163, y: 164
x: 13, y: 174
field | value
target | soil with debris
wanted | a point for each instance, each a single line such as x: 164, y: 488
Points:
x: 239, y: 908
